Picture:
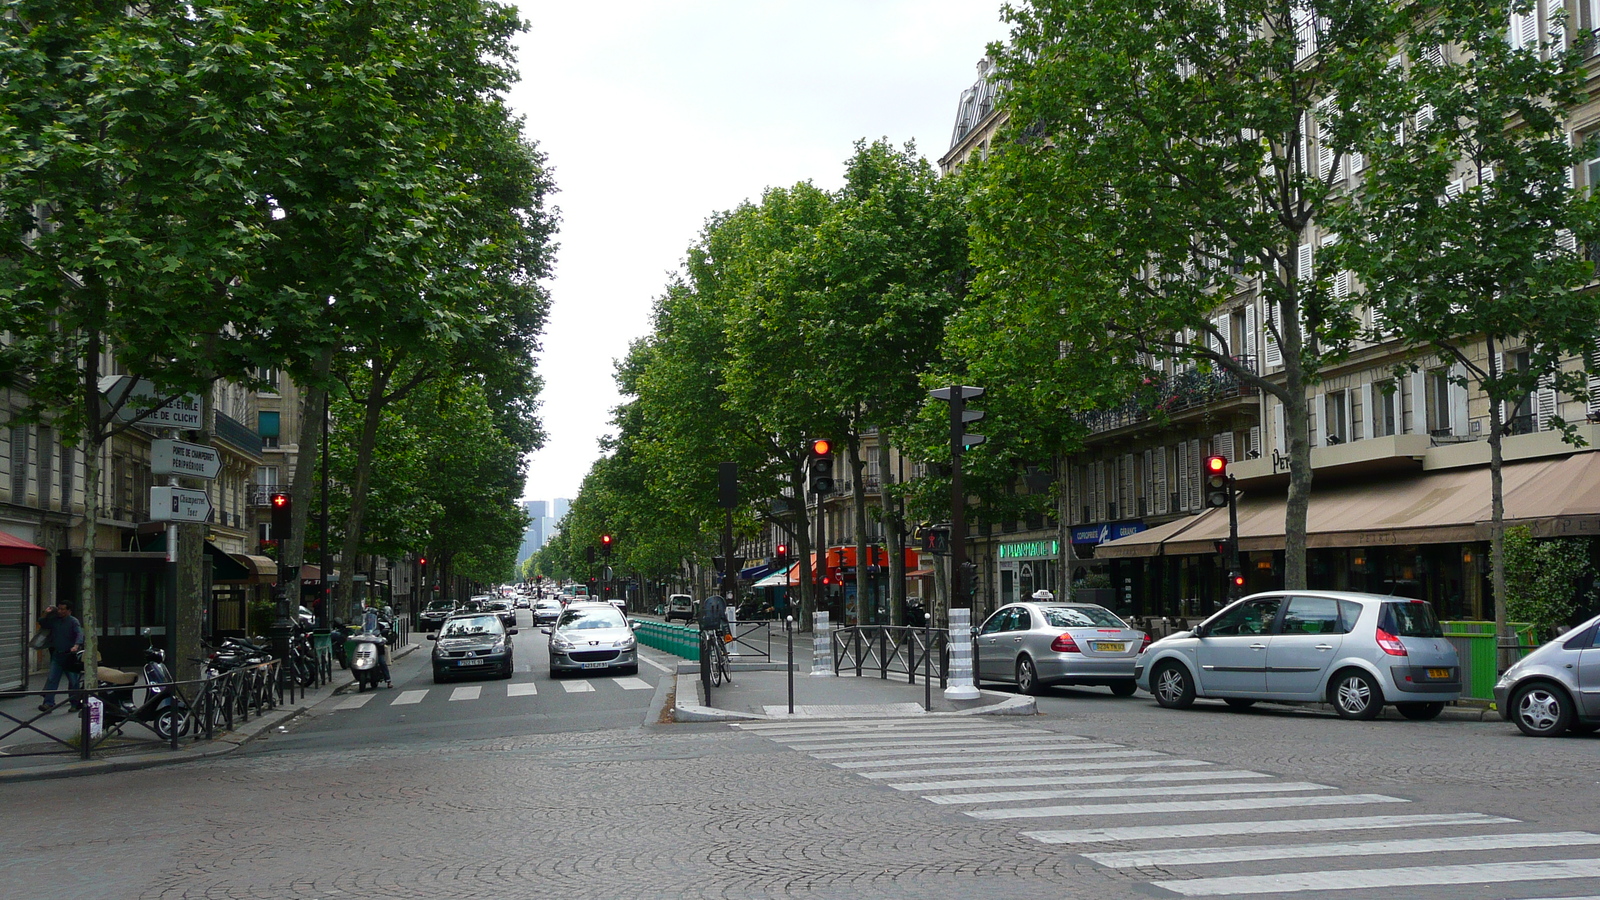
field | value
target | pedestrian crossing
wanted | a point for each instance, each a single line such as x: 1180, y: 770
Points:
x: 1192, y: 827
x: 470, y: 692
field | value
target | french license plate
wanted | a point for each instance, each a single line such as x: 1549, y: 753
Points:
x: 1111, y: 646
x: 1438, y: 673
x: 470, y: 662
x: 596, y: 665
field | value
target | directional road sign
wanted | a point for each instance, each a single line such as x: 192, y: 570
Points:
x: 174, y: 504
x: 138, y: 396
x: 968, y: 392
x: 181, y: 458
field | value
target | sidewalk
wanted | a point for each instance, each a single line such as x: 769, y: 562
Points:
x: 139, y: 748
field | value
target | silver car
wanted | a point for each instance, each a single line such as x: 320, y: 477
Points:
x: 1036, y: 645
x: 1354, y: 651
x: 1556, y: 687
x: 592, y: 636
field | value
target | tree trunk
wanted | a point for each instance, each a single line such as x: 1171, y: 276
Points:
x: 309, y: 443
x: 1497, y: 521
x: 193, y: 603
x: 92, y: 444
x: 893, y: 536
x: 858, y: 494
x: 1064, y: 533
x: 1296, y: 429
x: 807, y: 598
x: 361, y: 474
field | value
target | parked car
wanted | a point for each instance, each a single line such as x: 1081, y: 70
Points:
x: 1556, y: 688
x: 1354, y: 651
x: 592, y: 635
x: 680, y: 606
x: 546, y: 611
x: 1037, y: 645
x: 472, y: 643
x: 434, y: 614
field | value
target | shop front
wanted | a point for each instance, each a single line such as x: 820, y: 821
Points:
x: 1022, y: 567
x: 20, y: 564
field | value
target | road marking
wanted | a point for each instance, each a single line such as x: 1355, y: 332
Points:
x: 408, y: 697
x: 650, y: 662
x: 1386, y: 877
x: 1113, y: 793
x: 878, y: 734
x: 634, y: 684
x: 851, y: 726
x: 1208, y: 856
x: 525, y: 689
x: 1058, y: 768
x: 577, y: 687
x: 942, y: 760
x: 467, y: 692
x: 1178, y: 806
x: 356, y: 702
x: 922, y: 745
x: 1268, y: 826
x: 1213, y: 775
x: 980, y: 747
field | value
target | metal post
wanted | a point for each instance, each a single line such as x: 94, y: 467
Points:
x: 788, y: 628
x: 927, y: 663
x: 1234, y: 590
x: 962, y: 686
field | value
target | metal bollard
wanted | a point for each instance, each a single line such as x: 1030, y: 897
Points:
x: 788, y: 627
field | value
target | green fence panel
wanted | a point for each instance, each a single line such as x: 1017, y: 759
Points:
x: 679, y: 640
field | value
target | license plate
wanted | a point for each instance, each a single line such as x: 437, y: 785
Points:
x: 1111, y: 646
x: 598, y: 665
x: 1438, y: 673
x: 470, y: 662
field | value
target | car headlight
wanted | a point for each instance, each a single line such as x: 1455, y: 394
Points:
x: 624, y: 644
x: 560, y: 643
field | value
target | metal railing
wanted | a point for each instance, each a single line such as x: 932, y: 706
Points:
x: 1174, y: 394
x: 885, y: 650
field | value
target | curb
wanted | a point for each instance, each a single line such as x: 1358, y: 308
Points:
x: 688, y: 684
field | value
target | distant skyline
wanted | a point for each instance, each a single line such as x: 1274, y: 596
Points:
x: 657, y: 115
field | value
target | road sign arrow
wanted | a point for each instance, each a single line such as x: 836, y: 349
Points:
x: 945, y: 393
x: 168, y: 457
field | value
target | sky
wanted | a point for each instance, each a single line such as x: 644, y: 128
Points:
x: 655, y: 114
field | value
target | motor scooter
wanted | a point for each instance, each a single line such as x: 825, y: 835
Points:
x: 162, y: 711
x: 364, y: 659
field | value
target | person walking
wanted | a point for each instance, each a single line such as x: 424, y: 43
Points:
x: 66, y: 639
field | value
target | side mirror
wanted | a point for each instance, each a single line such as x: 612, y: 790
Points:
x: 511, y: 631
x: 1198, y: 631
x: 433, y: 637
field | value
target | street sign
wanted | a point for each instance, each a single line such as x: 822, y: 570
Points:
x: 138, y: 395
x: 169, y: 457
x: 174, y: 504
x: 967, y: 392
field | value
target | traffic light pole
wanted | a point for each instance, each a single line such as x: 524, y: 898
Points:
x: 962, y: 684
x: 1235, y: 590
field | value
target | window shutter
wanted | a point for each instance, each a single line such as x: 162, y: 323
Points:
x: 1454, y: 189
x: 1544, y: 402
x: 1163, y: 495
x: 1552, y: 20
x: 1593, y: 367
x: 1280, y: 435
x: 1219, y: 345
x: 1524, y: 30
x: 1222, y: 445
x: 1458, y: 403
x: 1183, y: 477
x: 1324, y: 148
x: 1194, y: 473
x: 1126, y: 508
x: 1305, y: 32
x: 1248, y: 335
x: 1369, y: 415
x: 1419, y: 402
x: 1273, y: 353
x: 1319, y: 414
x: 1341, y: 278
x: 1255, y: 442
x: 1149, y: 483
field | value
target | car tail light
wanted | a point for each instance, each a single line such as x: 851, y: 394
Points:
x: 1064, y: 644
x: 1144, y: 643
x: 1390, y: 644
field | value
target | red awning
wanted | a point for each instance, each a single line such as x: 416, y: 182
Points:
x: 15, y: 551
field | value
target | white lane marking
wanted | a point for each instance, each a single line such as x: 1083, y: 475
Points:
x: 879, y: 734
x: 650, y: 662
x: 848, y: 725
x: 1032, y: 751
x: 1178, y: 806
x: 634, y: 684
x: 356, y: 702
x: 525, y: 689
x: 577, y: 687
x: 1268, y: 826
x: 1124, y: 778
x: 1386, y: 877
x: 999, y: 756
x: 935, y: 743
x: 409, y: 697
x: 1207, y: 856
x: 467, y: 692
x: 1058, y: 768
x: 1113, y: 793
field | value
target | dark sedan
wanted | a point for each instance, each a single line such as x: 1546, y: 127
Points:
x: 472, y: 644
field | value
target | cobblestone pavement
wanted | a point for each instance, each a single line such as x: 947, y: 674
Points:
x: 837, y: 810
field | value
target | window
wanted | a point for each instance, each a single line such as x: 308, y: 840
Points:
x: 1254, y: 617
x: 1438, y: 401
x: 267, y: 427
x: 1519, y: 416
x: 1312, y: 615
x: 1336, y: 417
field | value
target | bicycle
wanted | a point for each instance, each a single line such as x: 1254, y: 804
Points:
x: 717, y: 661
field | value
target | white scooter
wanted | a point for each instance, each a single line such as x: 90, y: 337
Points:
x: 365, y: 658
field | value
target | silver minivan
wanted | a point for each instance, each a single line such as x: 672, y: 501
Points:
x: 1356, y: 652
x: 1556, y: 687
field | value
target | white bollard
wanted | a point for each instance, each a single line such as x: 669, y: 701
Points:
x: 961, y: 686
x: 822, y: 646
x: 733, y: 629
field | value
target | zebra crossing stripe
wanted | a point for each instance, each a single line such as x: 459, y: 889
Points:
x: 921, y: 745
x: 1209, y: 856
x: 577, y: 687
x: 1266, y: 826
x: 1178, y: 806
x: 1120, y: 778
x: 1052, y: 767
x: 356, y: 702
x: 467, y: 692
x: 408, y: 697
x: 1116, y: 792
x: 848, y: 725
x: 634, y: 684
x: 977, y: 747
x: 1386, y: 877
x: 525, y: 689
x: 852, y: 740
x: 942, y: 760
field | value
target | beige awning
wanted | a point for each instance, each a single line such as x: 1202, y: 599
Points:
x: 263, y: 569
x: 1553, y: 496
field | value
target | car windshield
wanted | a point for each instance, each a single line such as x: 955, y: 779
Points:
x: 1414, y: 619
x: 441, y: 604
x: 1081, y: 617
x: 595, y: 617
x: 549, y: 604
x: 471, y: 625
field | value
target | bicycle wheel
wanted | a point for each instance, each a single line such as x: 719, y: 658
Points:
x: 714, y: 660
x: 723, y: 663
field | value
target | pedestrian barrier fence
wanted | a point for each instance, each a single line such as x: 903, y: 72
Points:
x: 1477, y: 650
x: 886, y: 650
x: 750, y: 639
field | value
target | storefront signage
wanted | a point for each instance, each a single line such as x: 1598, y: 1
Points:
x: 1030, y: 550
x: 1099, y: 534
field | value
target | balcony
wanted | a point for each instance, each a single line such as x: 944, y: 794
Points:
x: 1174, y: 395
x: 234, y: 432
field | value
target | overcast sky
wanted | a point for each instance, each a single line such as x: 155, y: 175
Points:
x: 657, y: 113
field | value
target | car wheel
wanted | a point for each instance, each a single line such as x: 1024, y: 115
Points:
x: 1355, y: 695
x: 1541, y: 710
x: 1174, y: 689
x: 438, y: 675
x: 554, y: 672
x: 1027, y: 677
x: 1420, y: 712
x: 1124, y: 688
x: 1239, y: 702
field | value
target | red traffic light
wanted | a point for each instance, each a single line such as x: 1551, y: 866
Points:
x: 605, y: 539
x: 822, y: 447
x: 422, y: 560
x: 1217, y: 465
x: 782, y: 550
x: 280, y: 500
x: 1238, y: 580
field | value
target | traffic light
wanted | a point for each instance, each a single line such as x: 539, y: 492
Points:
x: 936, y: 539
x: 1224, y: 548
x: 969, y: 580
x: 605, y: 544
x: 780, y: 555
x: 821, y: 455
x: 282, y: 514
x: 1216, y: 481
x: 1236, y: 579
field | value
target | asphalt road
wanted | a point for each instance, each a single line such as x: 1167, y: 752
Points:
x: 554, y: 792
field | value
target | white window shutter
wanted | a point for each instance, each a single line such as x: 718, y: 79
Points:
x: 1126, y: 507
x: 1319, y: 413
x: 1248, y: 336
x: 1222, y: 445
x: 1183, y: 477
x: 1304, y: 263
x: 1419, y: 403
x: 1194, y: 473
x: 1558, y: 31
x: 1220, y: 345
x: 1273, y: 352
x: 1324, y: 148
x: 1149, y: 482
x: 1280, y: 437
x: 1163, y: 493
x: 1254, y: 451
x: 1458, y: 403
x: 1544, y: 402
x: 1454, y: 189
x: 1593, y: 367
x: 1368, y: 414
